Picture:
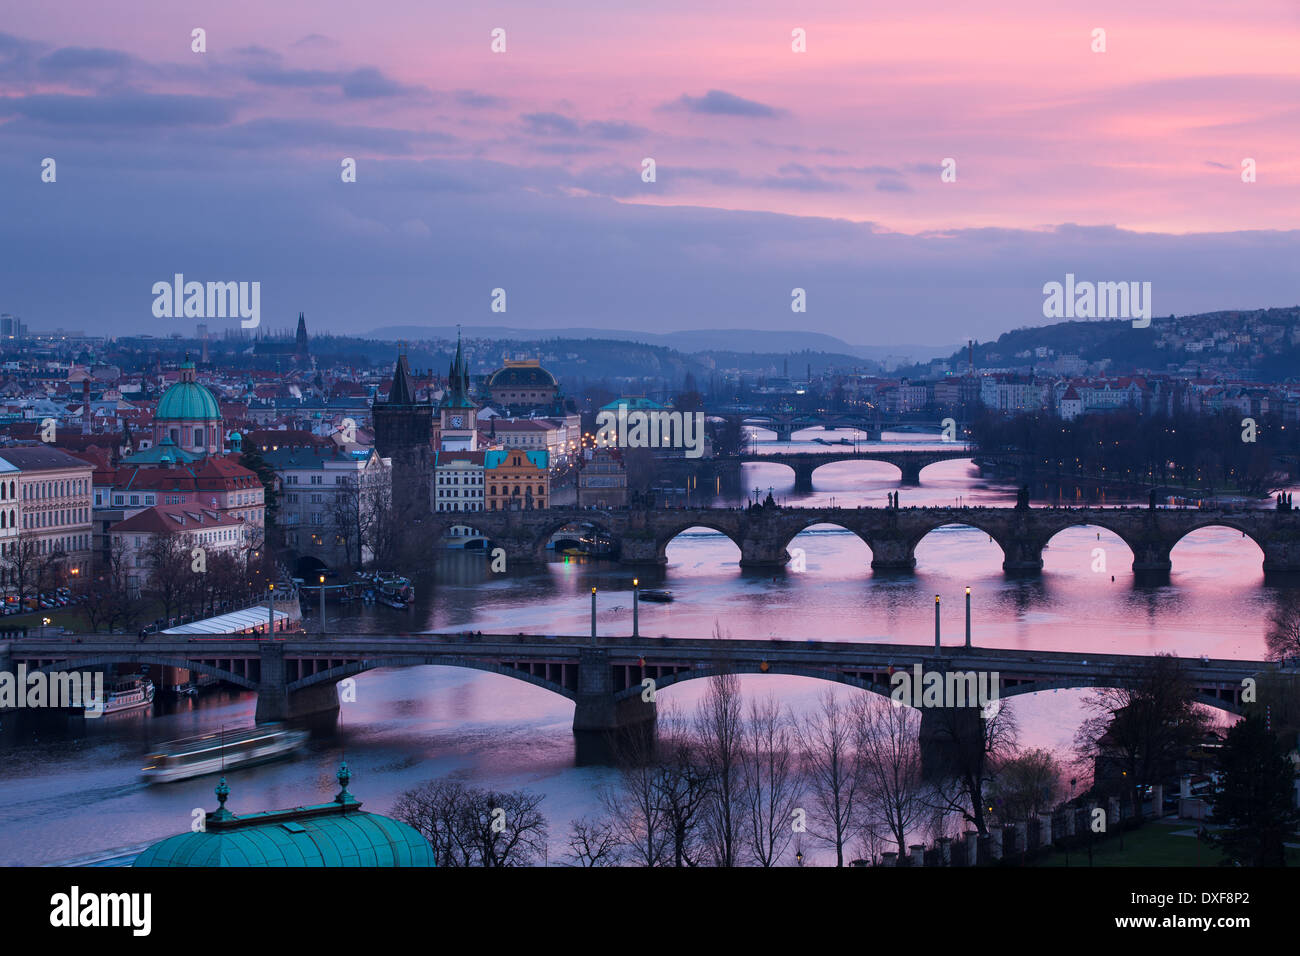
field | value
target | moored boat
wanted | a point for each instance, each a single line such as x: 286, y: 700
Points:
x: 128, y: 693
x: 656, y: 594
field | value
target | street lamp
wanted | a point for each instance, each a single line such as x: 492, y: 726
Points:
x: 322, y: 604
x: 593, y: 615
x: 936, y: 623
x: 968, y: 615
x: 636, y: 598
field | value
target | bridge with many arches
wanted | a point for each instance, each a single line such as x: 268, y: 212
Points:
x: 763, y: 535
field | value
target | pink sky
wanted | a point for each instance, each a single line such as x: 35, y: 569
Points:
x: 1148, y: 135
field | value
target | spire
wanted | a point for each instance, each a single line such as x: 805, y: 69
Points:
x: 400, y: 392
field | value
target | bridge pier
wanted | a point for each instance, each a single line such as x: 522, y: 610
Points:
x: 599, y: 719
x: 803, y: 483
x: 640, y: 549
x: 763, y: 554
x: 783, y: 432
x: 1282, y: 557
x: 1022, y: 555
x: 276, y: 703
x: 952, y: 741
x: 1152, y: 560
x: 911, y: 473
x: 892, y: 554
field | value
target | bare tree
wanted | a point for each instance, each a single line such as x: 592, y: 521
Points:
x: 349, y: 509
x: 1026, y: 785
x: 1283, y: 636
x: 770, y: 781
x: 24, y: 566
x: 683, y: 788
x: 973, y: 746
x: 171, y: 579
x: 633, y: 807
x: 890, y: 753
x: 470, y: 826
x: 104, y: 594
x: 593, y: 842
x: 719, y: 729
x: 833, y: 775
x: 1141, y: 727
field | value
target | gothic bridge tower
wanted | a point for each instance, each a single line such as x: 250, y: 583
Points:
x: 403, y: 429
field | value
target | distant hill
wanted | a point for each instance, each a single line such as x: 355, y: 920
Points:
x: 693, y: 341
x: 1268, y: 351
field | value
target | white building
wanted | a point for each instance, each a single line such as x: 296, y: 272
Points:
x: 458, y: 481
x: 326, y: 499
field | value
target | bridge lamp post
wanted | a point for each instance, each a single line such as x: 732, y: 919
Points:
x: 593, y: 615
x: 968, y: 615
x: 270, y: 610
x: 936, y: 623
x: 636, y: 596
x: 322, y: 606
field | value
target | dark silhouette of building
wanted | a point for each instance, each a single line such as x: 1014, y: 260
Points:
x: 403, y: 429
x: 295, y: 351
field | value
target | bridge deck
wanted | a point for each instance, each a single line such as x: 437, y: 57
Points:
x: 841, y: 653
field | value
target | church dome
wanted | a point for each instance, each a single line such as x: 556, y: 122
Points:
x: 338, y: 833
x: 523, y: 374
x: 187, y: 400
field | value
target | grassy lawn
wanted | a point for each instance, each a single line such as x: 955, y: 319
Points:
x: 73, y: 618
x: 70, y: 617
x: 1155, y: 844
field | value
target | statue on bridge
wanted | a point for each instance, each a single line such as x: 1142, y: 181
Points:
x: 1022, y: 498
x: 1284, y: 501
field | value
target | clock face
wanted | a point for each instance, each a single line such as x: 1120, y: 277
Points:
x: 457, y: 421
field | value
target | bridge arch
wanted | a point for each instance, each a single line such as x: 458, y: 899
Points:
x: 995, y: 534
x: 774, y: 668
x: 1098, y: 542
x: 353, y: 668
x: 1081, y: 683
x: 110, y: 660
x: 825, y: 522
x: 676, y: 530
x: 600, y: 519
x: 1219, y: 521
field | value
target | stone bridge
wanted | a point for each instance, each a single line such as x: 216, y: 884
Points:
x: 892, y: 534
x: 297, y: 676
x: 909, y: 462
x: 785, y: 424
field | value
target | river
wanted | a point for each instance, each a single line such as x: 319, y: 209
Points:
x: 69, y: 788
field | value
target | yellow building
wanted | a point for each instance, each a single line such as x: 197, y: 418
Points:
x: 516, y: 479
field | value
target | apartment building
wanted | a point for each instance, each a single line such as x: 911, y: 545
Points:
x: 54, y: 493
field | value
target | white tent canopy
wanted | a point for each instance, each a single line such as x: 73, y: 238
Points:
x: 236, y: 622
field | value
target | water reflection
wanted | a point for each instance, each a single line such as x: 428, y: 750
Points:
x: 71, y: 786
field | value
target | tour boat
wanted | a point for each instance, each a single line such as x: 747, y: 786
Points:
x: 656, y: 594
x: 182, y: 759
x: 128, y: 693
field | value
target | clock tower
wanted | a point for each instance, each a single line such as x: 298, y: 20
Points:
x: 457, y: 425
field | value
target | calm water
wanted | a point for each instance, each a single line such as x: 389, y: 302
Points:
x: 69, y: 789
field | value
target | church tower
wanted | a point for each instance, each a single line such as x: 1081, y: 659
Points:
x: 457, y: 427
x: 402, y: 430
x: 301, y: 352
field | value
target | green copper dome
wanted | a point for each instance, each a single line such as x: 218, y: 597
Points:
x: 338, y: 833
x: 187, y: 400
